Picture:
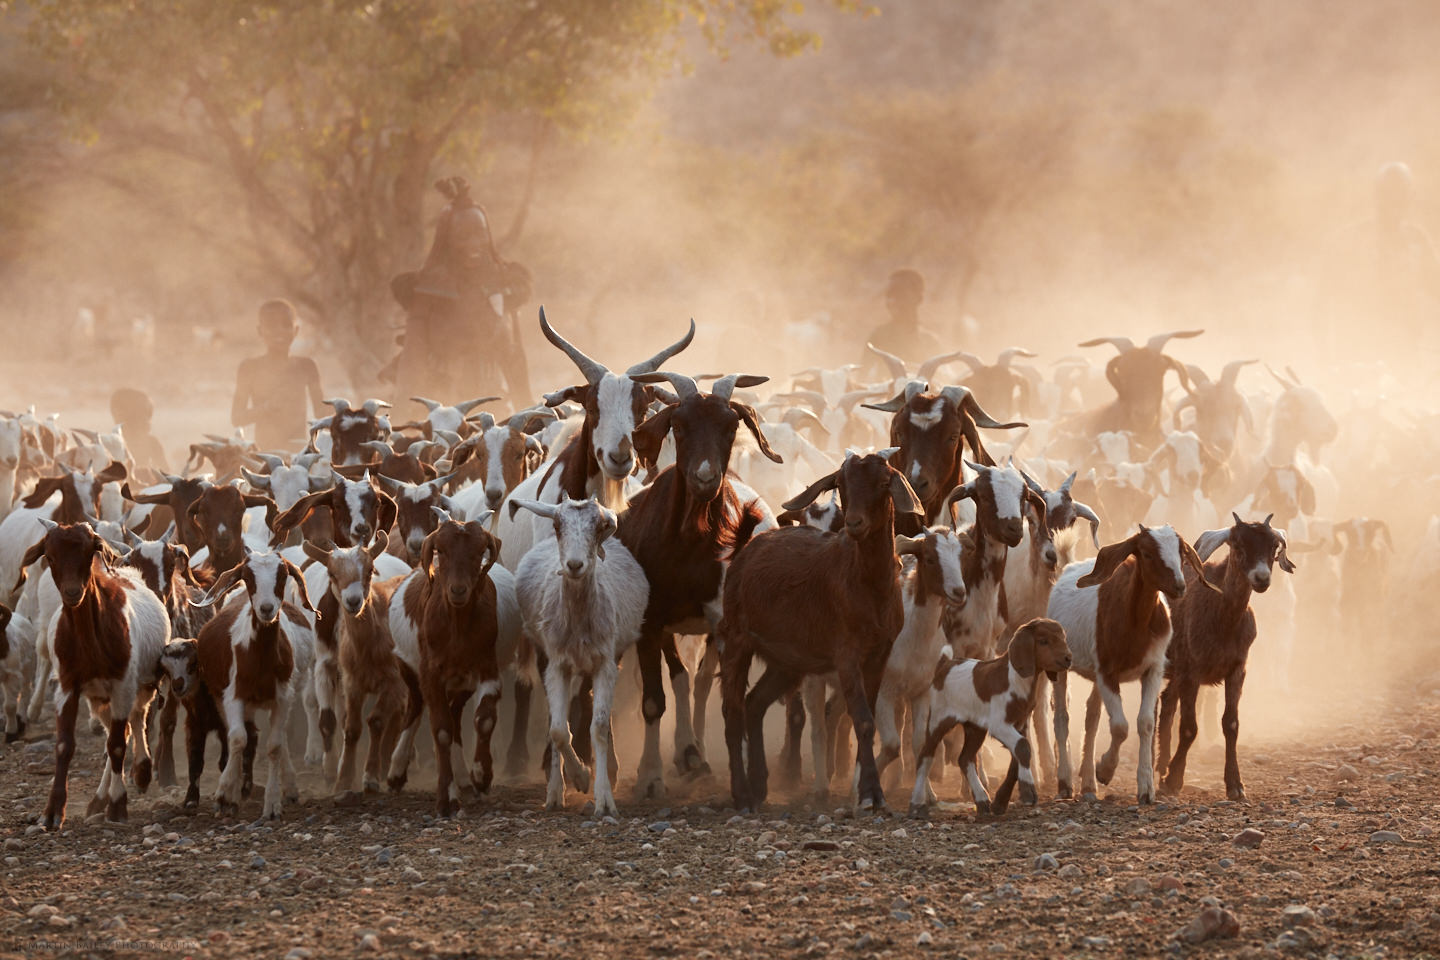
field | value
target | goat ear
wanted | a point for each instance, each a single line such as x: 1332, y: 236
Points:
x: 492, y: 554
x: 107, y: 552
x: 36, y: 551
x: 43, y: 491
x: 427, y: 554
x: 650, y: 436
x: 791, y: 518
x: 1307, y: 494
x: 1210, y: 541
x: 1022, y: 652
x: 1281, y: 555
x: 908, y: 545
x: 1107, y: 561
x: 262, y: 500
x: 296, y: 515
x: 192, y: 516
x: 146, y: 497
x: 573, y: 394
x: 115, y: 472
x: 385, y: 512
x: 1188, y: 555
x: 1042, y: 509
x: 299, y: 578
x: 220, y: 587
x: 904, y: 497
x: 808, y: 495
x: 747, y: 414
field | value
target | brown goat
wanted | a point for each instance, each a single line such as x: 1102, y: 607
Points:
x: 927, y: 430
x: 459, y: 628
x: 1211, y: 638
x: 811, y: 603
x: 367, y: 657
x: 683, y: 529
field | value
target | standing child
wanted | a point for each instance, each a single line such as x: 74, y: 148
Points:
x: 133, y: 411
x: 270, y: 389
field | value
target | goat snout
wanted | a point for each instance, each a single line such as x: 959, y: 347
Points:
x: 458, y: 595
x: 1049, y: 555
x: 362, y: 531
x: 1260, y: 580
x: 354, y: 604
x: 494, y: 496
x: 266, y: 611
x: 1012, y: 529
x: 574, y: 567
x: 71, y: 596
x: 956, y: 595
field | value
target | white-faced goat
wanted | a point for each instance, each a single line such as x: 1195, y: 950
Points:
x: 582, y: 596
x: 258, y: 653
x: 106, y: 640
x: 1119, y: 632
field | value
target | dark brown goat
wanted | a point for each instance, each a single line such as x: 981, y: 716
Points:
x: 1138, y: 376
x: 1211, y: 638
x: 683, y: 529
x: 810, y: 603
x: 1219, y: 407
x: 219, y: 516
x: 927, y: 428
x: 177, y: 501
x: 459, y: 628
x: 350, y: 428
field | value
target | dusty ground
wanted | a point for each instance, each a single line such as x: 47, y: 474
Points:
x: 687, y: 878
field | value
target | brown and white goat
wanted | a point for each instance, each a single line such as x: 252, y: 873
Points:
x: 1211, y: 642
x: 995, y: 698
x: 809, y: 603
x: 258, y: 653
x: 368, y: 666
x: 79, y: 500
x: 684, y: 529
x: 1119, y: 632
x: 106, y: 642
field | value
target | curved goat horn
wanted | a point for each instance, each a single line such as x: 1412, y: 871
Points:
x: 592, y: 370
x: 896, y: 365
x: 928, y: 368
x: 430, y: 405
x: 1010, y: 353
x: 469, y: 405
x: 685, y: 387
x: 725, y: 386
x: 653, y: 364
x: 340, y: 404
x: 1231, y: 373
x: 1157, y: 342
x: 1123, y: 344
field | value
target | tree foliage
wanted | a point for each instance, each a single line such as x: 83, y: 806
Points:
x: 325, y: 120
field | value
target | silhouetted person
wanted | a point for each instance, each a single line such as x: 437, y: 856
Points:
x: 270, y: 389
x: 133, y: 411
x: 903, y: 335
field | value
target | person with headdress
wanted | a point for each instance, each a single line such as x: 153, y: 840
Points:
x: 903, y: 335
x: 457, y: 341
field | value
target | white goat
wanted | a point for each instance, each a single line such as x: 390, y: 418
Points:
x: 582, y: 601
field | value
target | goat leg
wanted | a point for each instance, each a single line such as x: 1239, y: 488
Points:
x: 1230, y: 724
x: 919, y: 798
x: 735, y: 670
x: 772, y: 685
x: 165, y: 746
x: 790, y: 758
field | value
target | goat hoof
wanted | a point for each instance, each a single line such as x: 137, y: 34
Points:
x: 246, y: 789
x: 19, y: 731
x: 691, y: 764
x: 116, y: 812
x: 53, y: 820
x: 144, y: 769
x: 192, y: 799
x: 1027, y: 795
x: 96, y: 805
x: 652, y: 790
x: 224, y: 808
x: 919, y: 811
x: 371, y: 785
x: 1235, y: 792
x: 983, y: 807
x: 1105, y: 772
x: 1171, y: 787
x: 164, y: 780
x: 291, y: 795
x: 1089, y: 796
x: 1064, y: 791
x: 396, y: 784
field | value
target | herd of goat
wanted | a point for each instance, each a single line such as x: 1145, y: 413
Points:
x: 917, y: 577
